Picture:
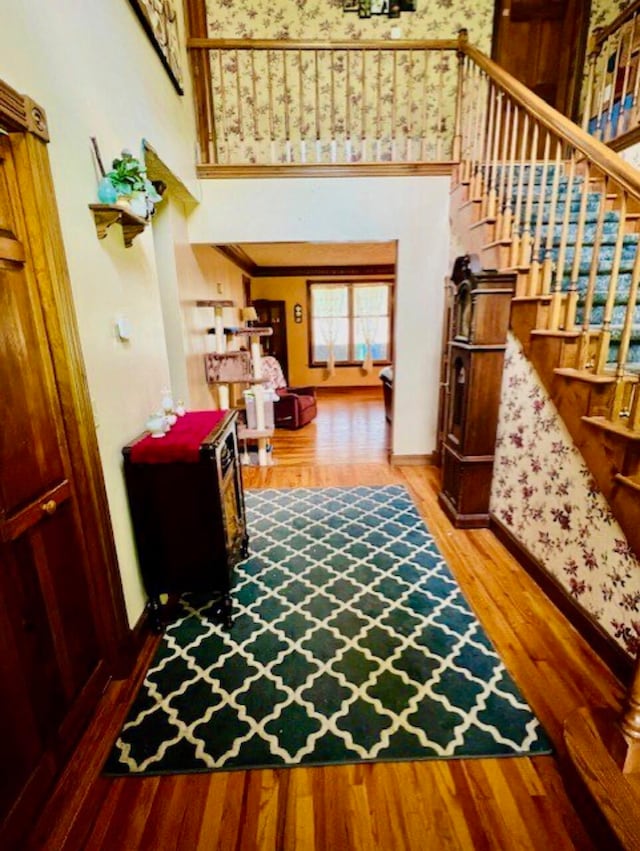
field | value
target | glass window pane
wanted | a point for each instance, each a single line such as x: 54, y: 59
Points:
x: 374, y: 332
x: 328, y: 331
x: 330, y: 301
x: 371, y: 300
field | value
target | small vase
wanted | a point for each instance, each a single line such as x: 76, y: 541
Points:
x: 106, y: 192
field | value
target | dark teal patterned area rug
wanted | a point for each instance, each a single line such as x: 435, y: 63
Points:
x: 351, y: 642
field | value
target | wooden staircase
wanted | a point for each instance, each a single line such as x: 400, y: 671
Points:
x: 535, y: 195
x: 561, y: 330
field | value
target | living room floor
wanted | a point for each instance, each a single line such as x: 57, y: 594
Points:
x: 350, y: 428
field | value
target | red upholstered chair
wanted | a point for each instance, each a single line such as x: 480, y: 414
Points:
x: 295, y: 406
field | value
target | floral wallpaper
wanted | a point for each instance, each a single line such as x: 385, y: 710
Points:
x: 604, y: 11
x: 337, y: 106
x: 544, y: 494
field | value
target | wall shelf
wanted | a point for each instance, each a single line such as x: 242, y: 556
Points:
x: 106, y: 215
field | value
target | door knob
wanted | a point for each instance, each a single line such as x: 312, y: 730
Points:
x: 49, y: 506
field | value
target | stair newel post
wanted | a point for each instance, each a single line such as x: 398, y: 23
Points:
x: 517, y: 216
x: 556, y: 303
x: 491, y: 198
x: 258, y: 395
x: 574, y: 275
x: 584, y: 357
x: 547, y: 263
x: 591, y: 77
x: 630, y: 726
x: 605, y: 335
x: 534, y: 265
x: 526, y: 238
x: 507, y: 207
x: 501, y: 182
x: 463, y: 38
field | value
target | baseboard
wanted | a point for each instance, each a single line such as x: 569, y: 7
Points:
x: 321, y: 390
x: 427, y: 460
x: 621, y: 665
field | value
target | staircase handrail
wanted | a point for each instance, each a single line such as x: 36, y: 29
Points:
x: 320, y: 44
x: 600, y: 155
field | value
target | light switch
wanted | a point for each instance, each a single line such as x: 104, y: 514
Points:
x: 123, y: 328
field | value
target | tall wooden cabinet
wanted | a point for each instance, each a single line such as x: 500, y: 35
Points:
x: 62, y: 618
x: 473, y: 362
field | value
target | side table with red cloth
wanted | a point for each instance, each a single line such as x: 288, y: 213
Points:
x: 187, y: 507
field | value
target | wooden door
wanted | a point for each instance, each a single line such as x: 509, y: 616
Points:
x: 53, y: 614
x: 273, y: 314
x: 542, y: 43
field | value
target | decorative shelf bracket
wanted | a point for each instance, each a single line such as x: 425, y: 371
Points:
x: 106, y: 215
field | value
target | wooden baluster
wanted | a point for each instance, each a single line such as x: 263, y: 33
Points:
x: 409, y: 107
x: 534, y: 266
x: 347, y: 108
x: 608, y: 129
x: 625, y: 342
x: 333, y: 108
x: 363, y: 97
x: 630, y: 724
x: 633, y: 117
x: 379, y: 108
x: 633, y: 422
x: 526, y: 238
x: 272, y: 137
x: 287, y: 102
x: 602, y: 79
x: 481, y: 134
x: 547, y: 263
x: 556, y: 301
x: 439, y: 128
x: 301, y: 113
x: 605, y: 335
x: 239, y: 98
x: 507, y: 206
x: 483, y: 175
x: 590, y: 84
x: 517, y: 215
x: 623, y: 118
x: 492, y: 196
x: 470, y: 103
x: 223, y: 108
x: 500, y: 196
x: 572, y: 295
x: 394, y: 96
x: 316, y: 71
x: 584, y: 355
x: 425, y: 105
x: 457, y: 126
x: 254, y: 99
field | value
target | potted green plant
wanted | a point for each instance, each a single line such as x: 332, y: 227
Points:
x: 129, y: 179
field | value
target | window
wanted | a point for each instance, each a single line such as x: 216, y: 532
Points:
x: 352, y: 320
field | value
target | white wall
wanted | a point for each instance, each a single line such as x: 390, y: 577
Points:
x: 413, y: 210
x: 93, y: 69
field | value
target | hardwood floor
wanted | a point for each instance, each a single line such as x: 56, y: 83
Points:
x: 509, y: 803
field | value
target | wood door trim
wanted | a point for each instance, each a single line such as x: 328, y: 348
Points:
x: 18, y: 113
x: 45, y: 244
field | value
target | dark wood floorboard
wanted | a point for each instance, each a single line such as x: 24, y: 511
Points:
x: 518, y: 803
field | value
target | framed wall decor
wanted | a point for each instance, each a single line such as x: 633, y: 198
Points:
x: 160, y: 22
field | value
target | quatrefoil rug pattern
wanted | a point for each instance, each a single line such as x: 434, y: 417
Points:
x: 351, y: 641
